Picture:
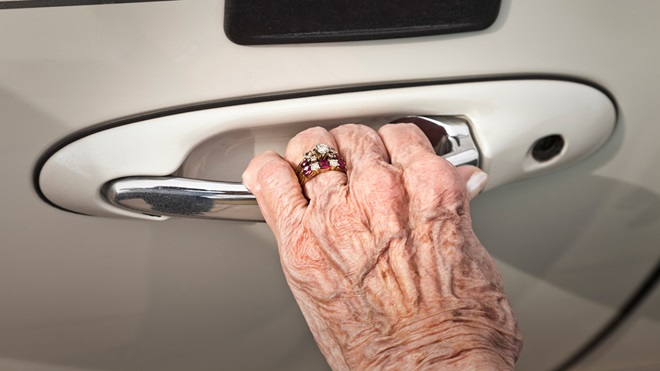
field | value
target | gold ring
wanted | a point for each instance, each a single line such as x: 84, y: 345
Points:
x: 320, y: 159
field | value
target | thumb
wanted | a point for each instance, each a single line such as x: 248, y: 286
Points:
x: 474, y: 178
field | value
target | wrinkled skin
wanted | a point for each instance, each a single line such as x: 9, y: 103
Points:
x: 382, y: 260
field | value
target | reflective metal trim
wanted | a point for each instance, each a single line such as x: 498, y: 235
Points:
x: 182, y: 197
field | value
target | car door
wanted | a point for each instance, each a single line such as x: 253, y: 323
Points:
x: 98, y: 287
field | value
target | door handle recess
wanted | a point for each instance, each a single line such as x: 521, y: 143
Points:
x: 188, y: 163
x: 183, y: 197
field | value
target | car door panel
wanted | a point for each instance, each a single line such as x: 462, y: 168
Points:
x: 87, y: 293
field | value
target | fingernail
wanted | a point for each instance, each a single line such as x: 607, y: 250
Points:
x: 477, y: 183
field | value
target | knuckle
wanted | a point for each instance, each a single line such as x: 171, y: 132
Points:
x: 313, y: 132
x: 350, y: 129
x: 252, y: 168
x: 305, y: 140
x: 385, y: 177
x: 436, y: 176
x: 399, y: 128
x: 271, y: 172
x: 387, y: 128
x: 382, y: 187
x: 265, y: 168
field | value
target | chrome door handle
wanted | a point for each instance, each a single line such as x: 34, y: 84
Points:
x: 183, y: 197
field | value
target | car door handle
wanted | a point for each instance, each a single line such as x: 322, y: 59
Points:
x: 183, y: 197
x: 188, y: 161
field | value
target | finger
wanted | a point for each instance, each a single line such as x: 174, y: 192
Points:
x: 275, y: 185
x: 432, y: 183
x: 302, y: 143
x: 373, y: 182
x: 361, y: 147
x: 405, y: 143
x: 475, y: 180
x: 410, y: 149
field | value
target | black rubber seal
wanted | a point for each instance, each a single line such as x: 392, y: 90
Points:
x: 259, y: 22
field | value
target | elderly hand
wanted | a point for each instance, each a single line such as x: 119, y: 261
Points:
x: 382, y: 260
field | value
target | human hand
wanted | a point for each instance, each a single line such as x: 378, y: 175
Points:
x: 382, y: 260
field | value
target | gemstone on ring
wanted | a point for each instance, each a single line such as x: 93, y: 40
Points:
x: 320, y: 159
x: 322, y: 148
